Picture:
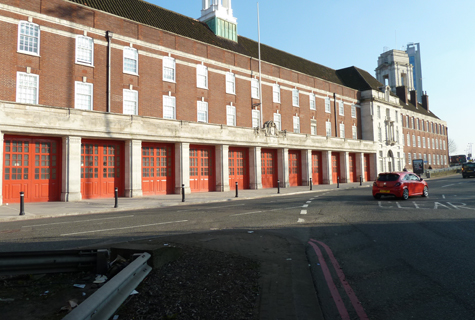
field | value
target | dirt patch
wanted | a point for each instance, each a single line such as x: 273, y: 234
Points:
x: 200, y: 284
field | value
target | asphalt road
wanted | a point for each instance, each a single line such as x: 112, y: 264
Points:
x: 386, y: 259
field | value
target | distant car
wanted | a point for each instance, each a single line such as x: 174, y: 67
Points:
x: 400, y: 184
x: 468, y: 169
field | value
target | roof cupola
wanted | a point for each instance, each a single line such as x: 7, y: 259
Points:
x: 218, y: 15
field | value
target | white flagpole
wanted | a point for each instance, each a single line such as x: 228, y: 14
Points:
x: 260, y: 73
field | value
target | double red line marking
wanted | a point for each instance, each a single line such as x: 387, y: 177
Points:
x: 331, y: 285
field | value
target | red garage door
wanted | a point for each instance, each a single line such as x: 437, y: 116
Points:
x: 269, y: 168
x: 366, y: 167
x: 335, y: 166
x: 31, y: 165
x: 295, y: 172
x: 158, y: 168
x: 102, y: 168
x: 352, y: 167
x: 317, y: 176
x: 239, y: 168
x: 202, y: 176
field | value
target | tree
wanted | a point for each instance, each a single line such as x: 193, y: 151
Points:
x: 452, y: 146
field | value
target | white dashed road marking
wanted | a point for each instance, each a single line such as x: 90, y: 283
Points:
x: 300, y: 220
x: 305, y: 206
x: 303, y: 212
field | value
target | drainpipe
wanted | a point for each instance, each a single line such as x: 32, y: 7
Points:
x: 109, y: 35
x: 336, y: 119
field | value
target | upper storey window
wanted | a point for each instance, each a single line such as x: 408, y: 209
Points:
x: 276, y: 93
x: 131, y: 60
x: 295, y: 97
x: 341, y: 108
x: 312, y: 102
x: 230, y: 83
x: 29, y: 38
x: 169, y: 67
x: 327, y: 105
x: 255, y: 88
x: 353, y: 111
x: 201, y: 76
x: 84, y: 50
x: 27, y: 88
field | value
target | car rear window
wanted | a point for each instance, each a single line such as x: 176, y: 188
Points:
x: 469, y: 165
x: 388, y: 177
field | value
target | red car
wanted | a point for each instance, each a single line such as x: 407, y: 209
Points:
x: 400, y: 184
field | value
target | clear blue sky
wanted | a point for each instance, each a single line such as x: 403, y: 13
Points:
x: 344, y: 33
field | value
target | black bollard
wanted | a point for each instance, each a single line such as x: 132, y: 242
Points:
x: 278, y: 186
x: 116, y: 191
x: 361, y: 180
x: 183, y: 193
x: 311, y: 184
x: 236, y: 189
x: 338, y: 182
x: 22, y: 203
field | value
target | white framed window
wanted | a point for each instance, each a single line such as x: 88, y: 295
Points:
x: 201, y: 76
x: 131, y: 60
x: 278, y: 121
x: 423, y: 142
x: 353, y: 111
x: 418, y: 124
x: 130, y: 102
x: 408, y: 140
x: 276, y: 93
x: 409, y: 158
x: 397, y: 117
x: 295, y: 97
x: 354, y: 132
x: 425, y: 157
x: 418, y: 141
x: 379, y: 112
x: 430, y: 158
x: 380, y: 135
x: 256, y: 118
x: 444, y: 144
x: 437, y: 144
x: 83, y: 97
x: 341, y: 108
x: 28, y: 38
x: 202, y: 111
x: 313, y: 127
x: 230, y: 83
x: 342, y: 130
x: 328, y: 128
x: 327, y: 105
x: 255, y: 88
x: 27, y: 88
x: 84, y: 50
x: 413, y: 140
x: 420, y: 156
x: 311, y: 98
x: 433, y: 143
x: 169, y: 107
x: 397, y: 135
x: 296, y: 124
x: 169, y: 69
x: 231, y: 115
x: 415, y: 156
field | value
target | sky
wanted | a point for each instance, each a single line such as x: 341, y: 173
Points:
x: 344, y: 33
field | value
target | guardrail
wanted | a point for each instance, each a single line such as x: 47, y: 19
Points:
x: 37, y: 262
x: 105, y: 301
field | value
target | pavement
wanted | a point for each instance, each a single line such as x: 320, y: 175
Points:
x: 286, y: 284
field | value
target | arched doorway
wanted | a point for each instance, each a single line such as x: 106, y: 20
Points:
x: 390, y: 159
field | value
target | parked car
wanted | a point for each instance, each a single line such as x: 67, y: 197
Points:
x: 468, y: 169
x: 400, y: 184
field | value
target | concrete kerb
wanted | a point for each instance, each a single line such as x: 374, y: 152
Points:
x: 58, y: 205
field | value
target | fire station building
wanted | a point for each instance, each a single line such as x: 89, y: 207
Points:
x: 97, y: 95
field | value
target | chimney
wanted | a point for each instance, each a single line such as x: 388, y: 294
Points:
x: 414, y: 98
x: 401, y: 92
x: 425, y: 101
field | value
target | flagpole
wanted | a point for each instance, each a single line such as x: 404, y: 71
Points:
x: 260, y: 73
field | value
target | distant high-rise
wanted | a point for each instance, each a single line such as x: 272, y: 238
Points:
x: 413, y: 50
x: 401, y: 68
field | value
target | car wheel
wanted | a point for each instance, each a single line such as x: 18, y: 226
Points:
x: 377, y: 196
x: 425, y: 193
x: 405, y: 194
